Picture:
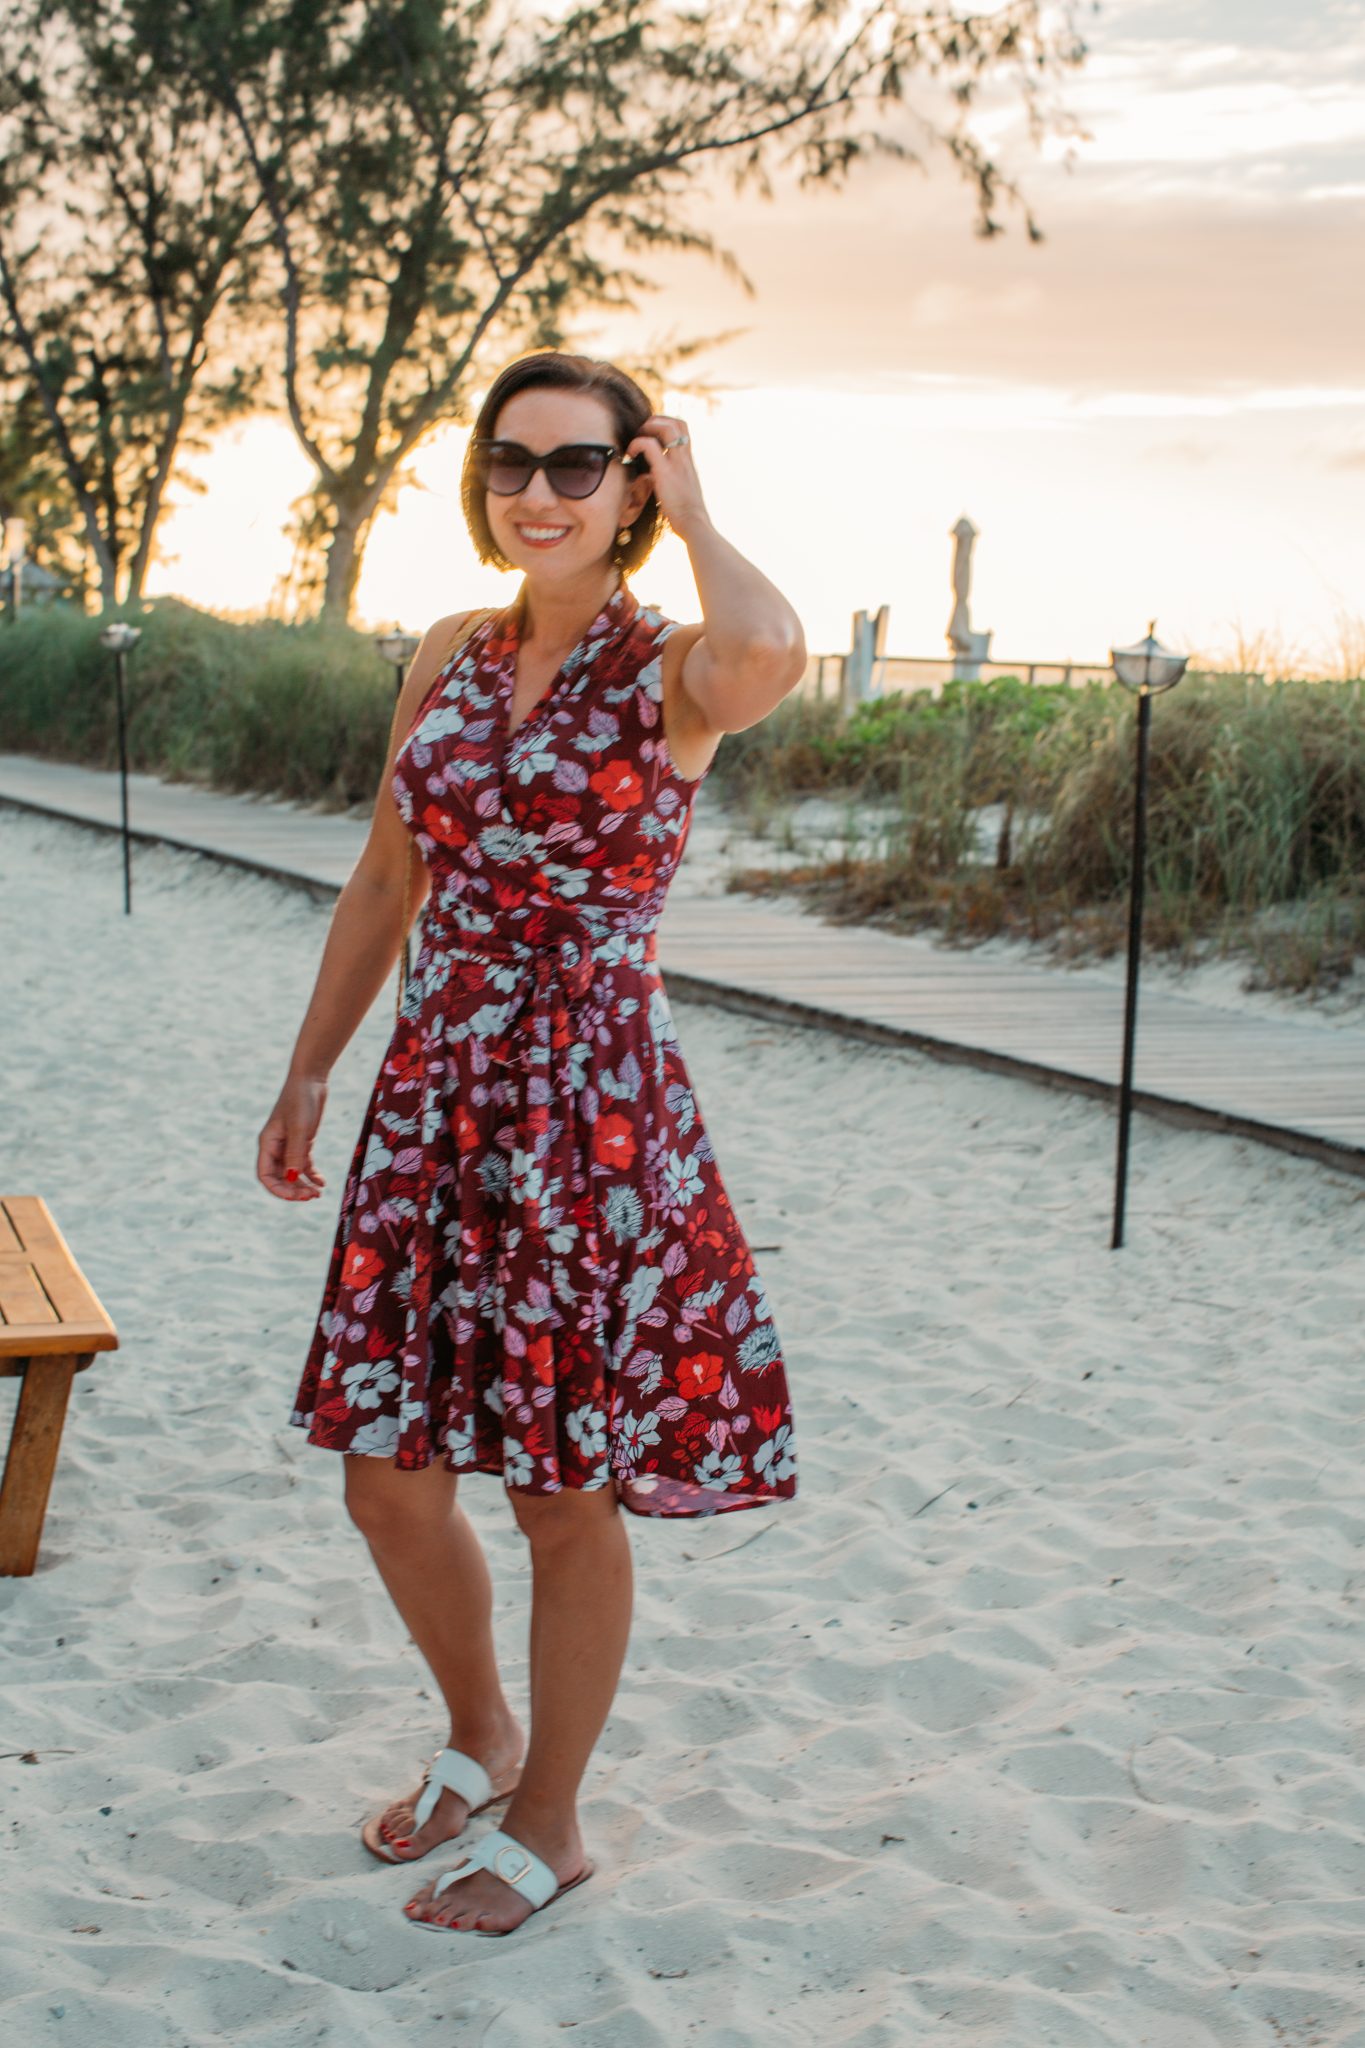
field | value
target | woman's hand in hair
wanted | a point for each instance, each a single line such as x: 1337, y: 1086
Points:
x: 673, y: 473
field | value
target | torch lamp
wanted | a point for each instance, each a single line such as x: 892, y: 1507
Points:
x: 119, y: 638
x: 1146, y: 668
x: 399, y: 648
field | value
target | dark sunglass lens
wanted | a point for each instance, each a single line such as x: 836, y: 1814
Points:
x: 578, y: 472
x: 504, y: 471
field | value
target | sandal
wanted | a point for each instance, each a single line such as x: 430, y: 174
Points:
x: 449, y: 1770
x: 518, y: 1866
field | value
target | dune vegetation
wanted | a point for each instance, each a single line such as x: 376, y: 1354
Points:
x: 298, y: 711
x: 993, y: 807
x: 1005, y: 807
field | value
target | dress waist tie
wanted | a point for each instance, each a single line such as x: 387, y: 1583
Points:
x: 561, y: 962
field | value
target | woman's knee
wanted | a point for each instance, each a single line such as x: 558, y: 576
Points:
x: 549, y: 1519
x: 383, y: 1501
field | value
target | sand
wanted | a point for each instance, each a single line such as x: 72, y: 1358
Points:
x: 1033, y: 1721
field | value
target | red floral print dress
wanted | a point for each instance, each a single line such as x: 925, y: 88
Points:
x: 537, y: 1271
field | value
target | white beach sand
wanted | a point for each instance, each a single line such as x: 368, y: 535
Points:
x: 1035, y: 1720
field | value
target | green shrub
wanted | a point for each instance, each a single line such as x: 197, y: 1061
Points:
x: 293, y: 711
x: 1255, y: 822
x: 1256, y: 801
x: 1256, y: 795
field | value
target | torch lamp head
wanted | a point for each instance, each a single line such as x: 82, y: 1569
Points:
x: 397, y: 647
x: 120, y: 636
x: 1148, y: 665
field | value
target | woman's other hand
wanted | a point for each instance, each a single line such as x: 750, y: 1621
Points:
x: 284, y: 1156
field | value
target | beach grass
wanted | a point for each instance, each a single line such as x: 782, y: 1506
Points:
x: 1255, y: 830
x: 998, y: 807
x: 294, y: 711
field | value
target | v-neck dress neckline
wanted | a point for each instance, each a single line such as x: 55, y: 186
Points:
x: 615, y: 614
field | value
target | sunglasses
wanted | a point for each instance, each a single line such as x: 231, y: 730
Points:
x: 573, y: 471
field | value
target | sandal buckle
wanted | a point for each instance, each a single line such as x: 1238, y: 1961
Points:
x: 522, y: 1867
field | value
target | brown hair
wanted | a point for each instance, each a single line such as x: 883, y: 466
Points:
x: 625, y: 401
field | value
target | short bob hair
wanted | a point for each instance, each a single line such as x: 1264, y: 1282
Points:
x: 625, y: 401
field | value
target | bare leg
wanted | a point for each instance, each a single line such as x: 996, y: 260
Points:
x: 582, y: 1589
x: 427, y: 1553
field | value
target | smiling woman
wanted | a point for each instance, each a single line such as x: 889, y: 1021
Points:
x: 549, y: 851
x: 537, y: 1271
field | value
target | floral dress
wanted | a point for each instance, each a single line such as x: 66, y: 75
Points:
x: 537, y: 1271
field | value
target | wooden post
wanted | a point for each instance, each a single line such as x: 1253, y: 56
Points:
x: 32, y: 1460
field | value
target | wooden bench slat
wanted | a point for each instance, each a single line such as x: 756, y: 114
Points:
x: 59, y: 1310
x: 32, y: 1222
x: 66, y: 1288
x: 22, y: 1300
x: 22, y: 1341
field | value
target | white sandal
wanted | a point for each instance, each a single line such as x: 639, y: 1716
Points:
x: 518, y: 1866
x: 449, y: 1770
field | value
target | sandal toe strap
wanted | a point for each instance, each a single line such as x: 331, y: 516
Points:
x: 451, y: 1770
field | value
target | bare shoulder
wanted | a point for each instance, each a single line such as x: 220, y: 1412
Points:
x: 440, y: 641
x: 437, y: 645
x: 444, y: 635
x: 678, y: 646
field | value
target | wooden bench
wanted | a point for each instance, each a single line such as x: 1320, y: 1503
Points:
x: 51, y: 1326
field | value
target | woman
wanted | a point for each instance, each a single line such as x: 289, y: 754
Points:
x: 536, y: 1271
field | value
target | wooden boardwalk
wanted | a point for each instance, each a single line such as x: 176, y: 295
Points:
x: 1297, y: 1086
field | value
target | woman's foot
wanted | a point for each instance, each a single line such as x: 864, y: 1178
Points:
x: 484, y: 1900
x: 395, y: 1825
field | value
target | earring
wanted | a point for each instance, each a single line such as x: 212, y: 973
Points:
x: 623, y: 536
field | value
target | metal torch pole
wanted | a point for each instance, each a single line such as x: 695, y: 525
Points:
x: 123, y: 782
x: 1144, y: 719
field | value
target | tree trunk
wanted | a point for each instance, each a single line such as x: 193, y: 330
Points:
x: 107, y: 565
x: 344, y: 558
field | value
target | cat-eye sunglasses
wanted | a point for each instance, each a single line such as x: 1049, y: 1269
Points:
x: 573, y: 471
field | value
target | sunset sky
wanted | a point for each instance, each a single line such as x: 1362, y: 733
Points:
x: 1157, y: 411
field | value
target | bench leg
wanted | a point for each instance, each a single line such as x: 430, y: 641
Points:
x: 33, y: 1446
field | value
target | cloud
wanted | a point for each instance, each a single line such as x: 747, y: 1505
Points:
x: 1220, y: 405
x: 1223, y: 124
x: 1192, y: 451
x: 1204, y: 247
x: 1210, y: 235
x: 884, y: 283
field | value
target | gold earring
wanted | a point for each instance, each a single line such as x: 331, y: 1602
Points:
x: 623, y: 536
